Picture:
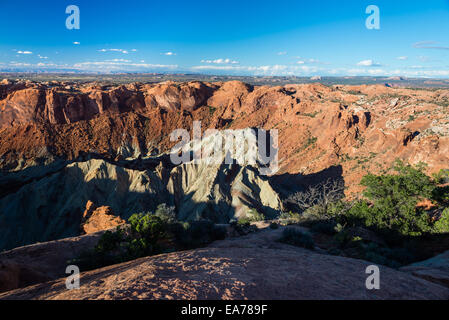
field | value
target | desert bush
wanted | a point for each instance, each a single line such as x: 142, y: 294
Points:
x: 342, y: 237
x: 274, y: 226
x: 243, y: 222
x: 140, y: 239
x: 442, y: 176
x: 316, y: 200
x: 243, y: 226
x: 391, y: 202
x: 290, y: 217
x: 389, y: 207
x: 391, y: 257
x: 441, y: 195
x: 255, y: 216
x: 146, y: 232
x: 326, y: 227
x: 198, y: 234
x: 166, y: 214
x: 442, y: 224
x: 297, y: 238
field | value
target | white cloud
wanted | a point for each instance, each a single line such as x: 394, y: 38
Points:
x: 19, y: 64
x: 402, y: 58
x: 119, y: 65
x: 426, y: 59
x: 118, y: 60
x: 309, y: 61
x: 169, y: 53
x: 40, y: 64
x: 24, y: 52
x: 282, y: 53
x: 220, y: 61
x: 271, y: 70
x: 416, y: 67
x: 114, y: 50
x: 429, y: 45
x: 368, y: 63
x: 76, y: 43
x: 42, y: 57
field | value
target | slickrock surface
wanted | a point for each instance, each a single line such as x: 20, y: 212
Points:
x: 41, y: 262
x: 252, y: 267
x: 435, y: 269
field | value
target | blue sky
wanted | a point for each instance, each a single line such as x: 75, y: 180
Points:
x: 252, y: 37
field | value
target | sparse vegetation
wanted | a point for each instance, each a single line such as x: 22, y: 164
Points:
x: 316, y: 200
x: 389, y: 212
x: 391, y: 202
x: 311, y: 115
x: 290, y: 217
x: 356, y: 92
x: 297, y: 238
x: 148, y: 234
x: 311, y: 141
x: 212, y: 110
x: 255, y: 216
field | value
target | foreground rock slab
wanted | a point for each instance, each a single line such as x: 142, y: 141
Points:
x: 435, y: 269
x: 41, y: 262
x: 228, y: 272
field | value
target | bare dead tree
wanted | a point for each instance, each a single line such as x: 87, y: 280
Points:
x: 320, y: 196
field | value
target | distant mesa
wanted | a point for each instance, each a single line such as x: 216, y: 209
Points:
x: 397, y: 78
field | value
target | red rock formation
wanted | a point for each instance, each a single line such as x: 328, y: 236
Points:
x: 360, y: 128
x: 99, y: 219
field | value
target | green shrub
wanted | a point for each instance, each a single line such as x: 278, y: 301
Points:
x: 148, y: 234
x: 110, y: 241
x: 244, y: 222
x: 166, y: 214
x: 326, y: 227
x: 441, y: 195
x: 146, y: 231
x: 389, y: 208
x: 342, y: 238
x: 198, y: 234
x: 442, y: 176
x: 442, y: 224
x: 243, y: 226
x: 297, y: 238
x: 334, y: 251
x: 255, y: 216
x: 274, y: 226
x: 391, y: 257
x: 391, y: 202
x: 290, y: 217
